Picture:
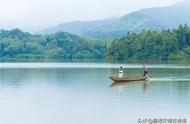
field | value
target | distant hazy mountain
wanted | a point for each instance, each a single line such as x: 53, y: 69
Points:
x: 153, y: 18
x: 133, y: 22
x: 77, y: 27
x: 171, y: 16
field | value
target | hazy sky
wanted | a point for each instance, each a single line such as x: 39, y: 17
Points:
x: 34, y: 15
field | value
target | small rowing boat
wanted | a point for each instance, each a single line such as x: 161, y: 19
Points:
x: 128, y: 79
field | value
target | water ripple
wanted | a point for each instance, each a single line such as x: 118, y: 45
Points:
x: 170, y: 79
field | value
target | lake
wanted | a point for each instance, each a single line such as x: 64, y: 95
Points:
x: 82, y: 93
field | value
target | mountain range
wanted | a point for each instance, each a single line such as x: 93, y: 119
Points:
x: 152, y: 18
x: 77, y: 27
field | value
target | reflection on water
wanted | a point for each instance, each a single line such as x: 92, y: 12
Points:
x: 60, y: 95
x: 121, y: 85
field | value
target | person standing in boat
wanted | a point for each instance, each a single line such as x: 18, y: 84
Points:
x: 145, y: 71
x: 121, y: 72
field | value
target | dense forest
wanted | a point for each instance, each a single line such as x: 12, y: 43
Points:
x: 157, y: 45
x: 18, y: 44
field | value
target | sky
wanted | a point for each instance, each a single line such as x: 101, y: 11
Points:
x: 35, y: 15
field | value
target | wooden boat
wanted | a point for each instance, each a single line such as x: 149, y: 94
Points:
x: 129, y: 79
x: 123, y: 84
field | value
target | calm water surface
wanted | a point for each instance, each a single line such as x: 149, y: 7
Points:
x: 82, y: 93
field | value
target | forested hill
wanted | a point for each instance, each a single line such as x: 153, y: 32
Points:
x: 15, y: 43
x: 149, y: 45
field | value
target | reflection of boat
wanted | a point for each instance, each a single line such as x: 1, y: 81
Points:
x: 123, y: 84
x: 129, y: 79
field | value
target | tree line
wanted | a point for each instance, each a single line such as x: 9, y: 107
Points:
x: 146, y: 45
x: 18, y: 44
x: 157, y: 45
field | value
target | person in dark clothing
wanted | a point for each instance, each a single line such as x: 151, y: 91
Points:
x: 145, y: 70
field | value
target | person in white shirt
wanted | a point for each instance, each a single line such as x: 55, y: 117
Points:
x: 121, y: 72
